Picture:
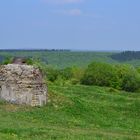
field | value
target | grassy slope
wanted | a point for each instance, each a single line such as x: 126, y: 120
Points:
x: 74, y: 113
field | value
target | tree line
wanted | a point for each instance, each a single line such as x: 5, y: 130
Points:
x: 126, y: 56
x: 120, y: 76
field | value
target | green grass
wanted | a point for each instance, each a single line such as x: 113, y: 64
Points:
x: 74, y: 113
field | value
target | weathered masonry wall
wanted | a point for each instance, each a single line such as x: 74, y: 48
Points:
x: 22, y: 84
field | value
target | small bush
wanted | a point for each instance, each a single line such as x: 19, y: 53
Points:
x: 129, y: 77
x: 7, y: 60
x: 100, y: 74
x: 29, y: 61
x: 66, y: 73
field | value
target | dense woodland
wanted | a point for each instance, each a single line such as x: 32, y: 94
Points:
x: 126, y: 56
x: 67, y: 58
x: 61, y: 59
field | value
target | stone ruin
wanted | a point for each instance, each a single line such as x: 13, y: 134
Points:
x: 22, y: 84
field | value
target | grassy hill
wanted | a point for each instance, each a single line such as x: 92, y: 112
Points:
x: 74, y: 113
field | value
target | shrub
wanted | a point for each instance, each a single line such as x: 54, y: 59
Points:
x: 100, y: 74
x: 29, y: 61
x: 73, y: 74
x: 7, y: 60
x: 77, y: 74
x: 138, y: 69
x: 66, y: 73
x: 129, y: 77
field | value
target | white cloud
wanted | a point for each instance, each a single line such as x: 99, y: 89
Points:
x: 63, y: 1
x: 70, y: 12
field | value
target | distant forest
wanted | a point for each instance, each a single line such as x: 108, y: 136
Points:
x: 34, y: 50
x: 126, y: 56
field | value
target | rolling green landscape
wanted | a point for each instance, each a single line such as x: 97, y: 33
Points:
x: 91, y: 96
x: 74, y: 113
x: 70, y: 70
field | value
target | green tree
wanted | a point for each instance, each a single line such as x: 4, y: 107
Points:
x: 129, y: 77
x: 100, y: 74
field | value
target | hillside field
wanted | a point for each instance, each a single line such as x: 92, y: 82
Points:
x: 74, y: 113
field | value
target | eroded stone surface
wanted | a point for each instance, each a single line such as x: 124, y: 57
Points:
x: 22, y: 84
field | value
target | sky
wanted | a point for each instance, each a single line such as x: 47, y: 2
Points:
x: 70, y: 24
